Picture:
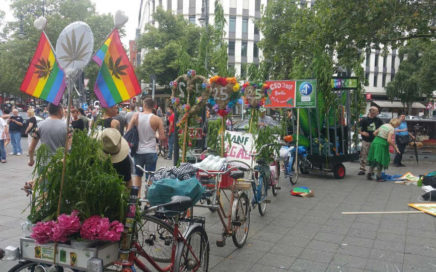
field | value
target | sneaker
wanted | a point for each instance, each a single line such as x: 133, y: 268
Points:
x: 361, y: 173
x: 3, y: 161
x: 369, y: 176
x: 401, y: 165
x: 12, y: 153
x: 18, y: 154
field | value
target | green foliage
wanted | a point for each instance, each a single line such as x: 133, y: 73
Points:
x: 92, y: 186
x: 213, y: 135
x: 416, y: 76
x: 17, y: 51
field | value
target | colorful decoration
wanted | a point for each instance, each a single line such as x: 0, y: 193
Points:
x: 255, y: 94
x: 44, y: 78
x: 224, y: 94
x: 116, y: 80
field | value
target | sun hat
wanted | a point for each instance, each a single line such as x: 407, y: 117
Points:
x: 114, y: 144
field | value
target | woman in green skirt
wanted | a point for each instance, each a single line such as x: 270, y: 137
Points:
x: 378, y: 155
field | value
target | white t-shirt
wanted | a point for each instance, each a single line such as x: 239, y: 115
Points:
x: 3, y: 125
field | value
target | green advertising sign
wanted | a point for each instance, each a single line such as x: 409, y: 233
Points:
x: 305, y: 93
x: 344, y: 83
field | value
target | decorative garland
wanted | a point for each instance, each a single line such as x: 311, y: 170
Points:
x: 224, y: 94
x: 255, y: 94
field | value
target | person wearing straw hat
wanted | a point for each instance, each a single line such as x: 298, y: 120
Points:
x: 118, y: 149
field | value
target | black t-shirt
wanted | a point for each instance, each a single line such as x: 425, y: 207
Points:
x: 12, y: 125
x: 32, y: 120
x: 78, y: 124
x: 370, y: 125
x: 124, y: 168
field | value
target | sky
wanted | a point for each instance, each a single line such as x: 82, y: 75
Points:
x: 130, y: 8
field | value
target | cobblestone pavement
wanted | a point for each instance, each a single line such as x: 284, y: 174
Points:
x: 296, y: 234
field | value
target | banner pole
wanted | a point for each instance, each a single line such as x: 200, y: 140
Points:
x: 296, y: 143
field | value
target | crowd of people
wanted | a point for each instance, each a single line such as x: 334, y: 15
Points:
x: 376, y: 139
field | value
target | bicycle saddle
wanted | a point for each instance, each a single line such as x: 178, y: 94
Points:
x: 178, y: 204
x: 237, y: 174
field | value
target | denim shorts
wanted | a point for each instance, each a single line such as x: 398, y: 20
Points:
x: 147, y: 161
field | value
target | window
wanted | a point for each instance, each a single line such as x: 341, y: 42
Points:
x: 384, y: 80
x: 368, y: 59
x: 257, y: 5
x: 392, y: 76
x: 393, y: 63
x: 192, y: 19
x: 231, y: 48
x: 244, y: 49
x: 244, y: 25
x: 232, y: 24
x: 385, y: 58
x: 180, y: 5
x: 255, y: 51
x: 376, y: 60
x: 233, y: 3
x: 169, y: 4
x: 375, y: 80
x: 367, y: 79
x: 256, y: 30
x: 243, y: 70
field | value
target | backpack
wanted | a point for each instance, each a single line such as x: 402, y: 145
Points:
x: 132, y: 139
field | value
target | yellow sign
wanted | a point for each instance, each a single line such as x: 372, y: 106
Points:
x: 429, y: 208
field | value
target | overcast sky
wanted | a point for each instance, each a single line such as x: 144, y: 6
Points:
x: 130, y: 7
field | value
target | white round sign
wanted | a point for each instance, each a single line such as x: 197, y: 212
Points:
x: 74, y: 47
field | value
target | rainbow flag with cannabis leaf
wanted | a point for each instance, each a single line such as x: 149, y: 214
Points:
x: 44, y: 78
x: 116, y: 80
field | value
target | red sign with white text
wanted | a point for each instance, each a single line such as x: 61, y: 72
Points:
x: 281, y: 94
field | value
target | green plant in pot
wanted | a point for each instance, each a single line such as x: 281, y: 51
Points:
x: 91, y: 186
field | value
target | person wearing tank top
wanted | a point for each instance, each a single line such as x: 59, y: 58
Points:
x: 147, y: 124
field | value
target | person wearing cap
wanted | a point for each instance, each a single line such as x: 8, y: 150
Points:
x: 118, y: 149
x: 367, y: 126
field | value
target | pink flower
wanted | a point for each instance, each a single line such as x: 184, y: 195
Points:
x: 42, y: 232
x: 70, y: 224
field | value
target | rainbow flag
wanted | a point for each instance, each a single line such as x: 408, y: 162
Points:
x: 44, y: 78
x: 116, y: 80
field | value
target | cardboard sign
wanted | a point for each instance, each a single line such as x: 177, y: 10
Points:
x: 241, y: 144
x: 305, y: 93
x: 429, y: 208
x: 281, y: 94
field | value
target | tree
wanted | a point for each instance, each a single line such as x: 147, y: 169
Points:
x: 22, y: 38
x: 416, y: 76
x: 171, y: 48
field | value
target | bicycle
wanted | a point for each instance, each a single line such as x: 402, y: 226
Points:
x: 304, y: 164
x: 261, y: 179
x: 235, y: 221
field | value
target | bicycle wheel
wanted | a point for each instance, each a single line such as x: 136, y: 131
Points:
x: 261, y: 205
x: 276, y: 186
x: 194, y: 254
x: 240, y: 220
x: 155, y: 237
x: 32, y: 266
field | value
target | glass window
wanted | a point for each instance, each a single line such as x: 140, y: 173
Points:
x: 376, y: 60
x: 256, y: 30
x: 232, y: 24
x: 375, y: 80
x: 367, y: 79
x: 368, y: 59
x: 244, y: 25
x: 231, y: 48
x: 192, y: 19
x: 255, y: 51
x: 393, y: 62
x: 169, y: 4
x: 244, y: 49
x: 257, y: 5
x: 243, y: 70
x: 384, y: 80
x: 180, y: 5
x: 384, y: 60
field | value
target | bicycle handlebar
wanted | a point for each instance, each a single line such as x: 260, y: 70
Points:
x: 218, y: 172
